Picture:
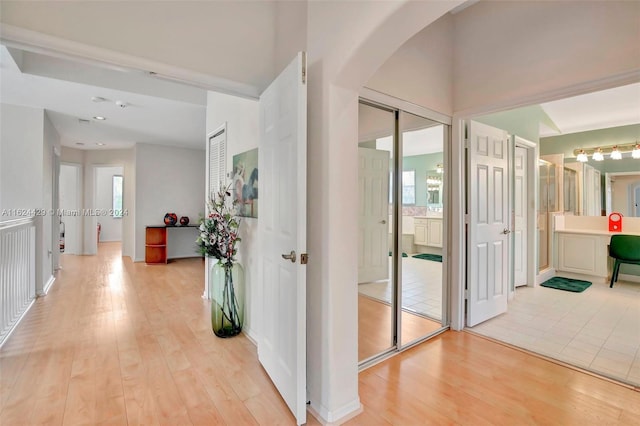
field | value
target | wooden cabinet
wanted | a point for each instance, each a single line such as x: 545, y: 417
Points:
x: 420, y: 232
x: 583, y: 253
x: 428, y: 231
x: 155, y: 245
x: 434, y: 232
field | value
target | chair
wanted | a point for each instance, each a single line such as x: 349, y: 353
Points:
x: 623, y: 249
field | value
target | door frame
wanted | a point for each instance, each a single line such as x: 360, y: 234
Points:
x: 459, y: 172
x: 93, y: 219
x: 532, y: 205
x: 78, y: 167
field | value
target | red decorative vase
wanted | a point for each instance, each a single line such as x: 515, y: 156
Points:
x: 170, y: 219
x: 184, y: 220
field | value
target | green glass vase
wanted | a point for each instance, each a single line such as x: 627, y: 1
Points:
x: 226, y: 291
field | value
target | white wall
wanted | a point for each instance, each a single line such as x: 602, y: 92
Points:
x: 27, y: 142
x: 50, y: 222
x: 242, y: 117
x: 421, y: 71
x: 168, y: 180
x: 512, y: 50
x: 21, y: 158
x: 111, y: 228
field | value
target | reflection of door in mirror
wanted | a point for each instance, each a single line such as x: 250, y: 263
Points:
x: 570, y: 180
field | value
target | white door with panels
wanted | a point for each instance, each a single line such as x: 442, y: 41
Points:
x: 488, y: 229
x: 282, y: 225
x: 520, y: 214
x: 373, y: 230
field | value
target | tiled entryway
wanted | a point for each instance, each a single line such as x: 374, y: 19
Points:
x: 598, y: 329
x: 421, y: 287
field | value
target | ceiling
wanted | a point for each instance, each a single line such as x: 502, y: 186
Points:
x: 169, y: 113
x: 615, y: 107
x: 155, y: 112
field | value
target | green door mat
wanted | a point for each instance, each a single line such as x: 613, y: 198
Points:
x: 426, y: 256
x: 403, y: 254
x: 567, y: 284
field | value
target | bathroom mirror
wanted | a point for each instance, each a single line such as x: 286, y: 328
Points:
x: 434, y: 189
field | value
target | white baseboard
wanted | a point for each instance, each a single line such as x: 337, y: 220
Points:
x: 336, y: 417
x: 48, y: 285
x: 545, y: 275
x: 24, y: 314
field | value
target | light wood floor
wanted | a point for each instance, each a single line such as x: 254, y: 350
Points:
x: 122, y: 343
x: 374, y: 327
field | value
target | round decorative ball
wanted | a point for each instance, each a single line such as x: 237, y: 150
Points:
x: 170, y: 219
x: 184, y: 220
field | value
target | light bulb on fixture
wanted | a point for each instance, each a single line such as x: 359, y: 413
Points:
x: 616, y: 154
x: 439, y: 168
x: 597, y: 155
x: 582, y: 156
x: 636, y: 152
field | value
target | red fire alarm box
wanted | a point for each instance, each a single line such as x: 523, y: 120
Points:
x: 615, y: 222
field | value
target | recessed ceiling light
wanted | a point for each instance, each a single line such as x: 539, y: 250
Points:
x: 100, y: 144
x: 80, y: 143
x: 99, y: 117
x: 98, y: 99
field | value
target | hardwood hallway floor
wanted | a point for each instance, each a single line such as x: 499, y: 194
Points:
x: 121, y: 343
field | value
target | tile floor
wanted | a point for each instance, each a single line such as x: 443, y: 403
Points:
x: 421, y: 287
x: 598, y: 329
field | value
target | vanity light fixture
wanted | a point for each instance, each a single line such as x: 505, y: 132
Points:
x: 616, y: 154
x: 582, y: 156
x: 598, y: 155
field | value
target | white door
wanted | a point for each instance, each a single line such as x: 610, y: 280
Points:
x: 636, y: 201
x: 520, y: 217
x: 487, y: 249
x: 373, y: 188
x: 282, y: 224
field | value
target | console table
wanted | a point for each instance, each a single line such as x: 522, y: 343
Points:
x: 155, y: 251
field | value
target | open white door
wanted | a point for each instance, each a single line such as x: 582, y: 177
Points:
x: 487, y: 249
x: 373, y: 230
x: 282, y: 225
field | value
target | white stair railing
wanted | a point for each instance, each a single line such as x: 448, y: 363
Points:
x: 17, y: 272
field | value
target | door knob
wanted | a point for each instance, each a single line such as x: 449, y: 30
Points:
x: 383, y: 221
x: 506, y: 231
x: 291, y: 256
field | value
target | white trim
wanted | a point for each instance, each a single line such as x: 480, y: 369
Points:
x: 37, y: 42
x: 48, y: 286
x: 532, y: 203
x: 457, y: 226
x: 392, y: 101
x: 336, y: 417
x: 15, y: 325
x: 545, y: 275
